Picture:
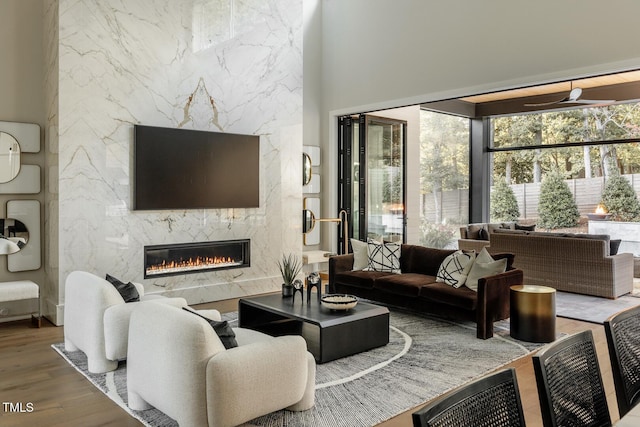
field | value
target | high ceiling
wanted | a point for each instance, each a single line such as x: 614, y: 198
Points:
x: 621, y: 87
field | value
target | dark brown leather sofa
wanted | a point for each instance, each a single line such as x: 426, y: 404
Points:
x: 416, y: 287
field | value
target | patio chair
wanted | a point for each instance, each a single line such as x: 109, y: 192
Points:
x: 570, y: 383
x: 623, y: 339
x: 491, y: 401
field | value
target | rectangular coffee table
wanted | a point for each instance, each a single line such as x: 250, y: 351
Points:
x: 329, y: 334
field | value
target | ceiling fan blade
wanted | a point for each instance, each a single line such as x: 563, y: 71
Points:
x: 544, y: 104
x: 588, y: 101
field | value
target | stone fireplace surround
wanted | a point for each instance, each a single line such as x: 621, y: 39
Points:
x: 182, y: 69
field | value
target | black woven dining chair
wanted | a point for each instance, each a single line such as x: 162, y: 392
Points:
x: 491, y: 401
x: 623, y: 339
x: 570, y: 383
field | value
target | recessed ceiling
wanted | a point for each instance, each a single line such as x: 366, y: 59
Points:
x: 623, y: 87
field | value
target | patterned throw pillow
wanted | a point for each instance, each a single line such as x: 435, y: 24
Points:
x: 383, y: 256
x: 455, y: 268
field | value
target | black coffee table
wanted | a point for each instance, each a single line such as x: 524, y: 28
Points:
x: 329, y: 334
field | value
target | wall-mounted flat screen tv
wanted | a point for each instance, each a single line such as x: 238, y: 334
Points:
x: 191, y: 169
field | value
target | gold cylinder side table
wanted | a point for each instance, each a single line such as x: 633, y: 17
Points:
x: 533, y: 313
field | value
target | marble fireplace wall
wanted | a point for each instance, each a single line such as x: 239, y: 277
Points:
x: 231, y: 66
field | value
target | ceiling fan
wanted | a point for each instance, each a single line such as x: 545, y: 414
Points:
x: 574, y: 98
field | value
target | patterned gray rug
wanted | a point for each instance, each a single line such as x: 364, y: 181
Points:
x: 426, y: 356
x: 591, y: 309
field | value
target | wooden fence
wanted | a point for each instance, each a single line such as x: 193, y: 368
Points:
x: 450, y: 206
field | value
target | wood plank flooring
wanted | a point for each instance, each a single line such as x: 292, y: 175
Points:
x: 32, y: 372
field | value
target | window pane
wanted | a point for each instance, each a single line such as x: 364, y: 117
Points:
x: 444, y: 177
x: 584, y: 169
x: 385, y: 210
x: 580, y: 125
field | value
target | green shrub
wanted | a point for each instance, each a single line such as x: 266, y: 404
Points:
x: 437, y: 235
x: 556, y: 206
x: 504, y: 206
x: 620, y: 199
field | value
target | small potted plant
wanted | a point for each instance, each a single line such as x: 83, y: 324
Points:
x: 290, y: 266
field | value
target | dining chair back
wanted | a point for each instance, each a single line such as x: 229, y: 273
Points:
x: 570, y: 383
x: 491, y: 401
x: 623, y: 339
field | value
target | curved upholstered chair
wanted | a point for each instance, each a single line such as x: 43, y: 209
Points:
x: 623, y: 339
x: 493, y: 400
x: 178, y: 365
x: 570, y: 383
x: 96, y: 319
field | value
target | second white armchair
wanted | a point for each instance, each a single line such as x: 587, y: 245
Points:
x: 178, y: 365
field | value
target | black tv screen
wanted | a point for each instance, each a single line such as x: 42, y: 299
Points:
x: 191, y: 169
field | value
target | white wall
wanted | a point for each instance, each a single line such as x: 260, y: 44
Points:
x: 22, y: 95
x: 378, y: 51
x: 381, y: 54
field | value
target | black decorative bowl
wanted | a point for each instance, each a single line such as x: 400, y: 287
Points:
x: 338, y: 301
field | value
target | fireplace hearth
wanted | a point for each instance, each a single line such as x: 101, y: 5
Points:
x: 187, y: 258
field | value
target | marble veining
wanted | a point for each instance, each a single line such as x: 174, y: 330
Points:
x: 232, y: 66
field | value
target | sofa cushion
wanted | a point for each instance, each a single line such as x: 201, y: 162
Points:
x: 360, y: 257
x: 614, y: 245
x: 473, y: 231
x: 531, y: 227
x: 507, y: 231
x: 407, y: 284
x: 455, y: 268
x: 422, y: 260
x: 484, y: 266
x: 463, y: 297
x: 359, y: 279
x: 383, y: 256
x: 500, y: 226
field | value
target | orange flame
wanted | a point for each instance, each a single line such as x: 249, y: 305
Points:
x: 601, y: 210
x: 198, y: 263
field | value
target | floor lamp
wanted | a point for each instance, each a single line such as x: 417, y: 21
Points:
x: 309, y: 222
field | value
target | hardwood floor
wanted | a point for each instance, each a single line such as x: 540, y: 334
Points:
x: 32, y: 372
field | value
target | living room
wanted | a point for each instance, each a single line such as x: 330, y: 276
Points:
x: 86, y: 72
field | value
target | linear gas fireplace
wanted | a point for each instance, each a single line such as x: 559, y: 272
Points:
x: 186, y: 258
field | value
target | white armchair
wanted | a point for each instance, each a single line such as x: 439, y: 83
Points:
x: 96, y: 319
x: 178, y: 365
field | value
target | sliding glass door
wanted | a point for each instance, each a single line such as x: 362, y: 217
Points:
x: 372, y: 172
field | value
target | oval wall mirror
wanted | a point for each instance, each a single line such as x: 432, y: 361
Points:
x: 13, y: 236
x: 306, y: 169
x: 308, y: 220
x: 9, y: 157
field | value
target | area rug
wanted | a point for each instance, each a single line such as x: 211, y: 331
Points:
x: 426, y: 356
x: 589, y: 308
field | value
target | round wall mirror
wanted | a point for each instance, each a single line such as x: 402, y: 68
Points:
x: 13, y: 236
x: 306, y: 169
x: 9, y: 157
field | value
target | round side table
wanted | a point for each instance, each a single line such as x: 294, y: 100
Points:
x: 533, y: 313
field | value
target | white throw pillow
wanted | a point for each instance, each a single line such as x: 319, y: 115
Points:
x: 383, y: 256
x: 484, y: 266
x: 360, y: 255
x: 455, y: 268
